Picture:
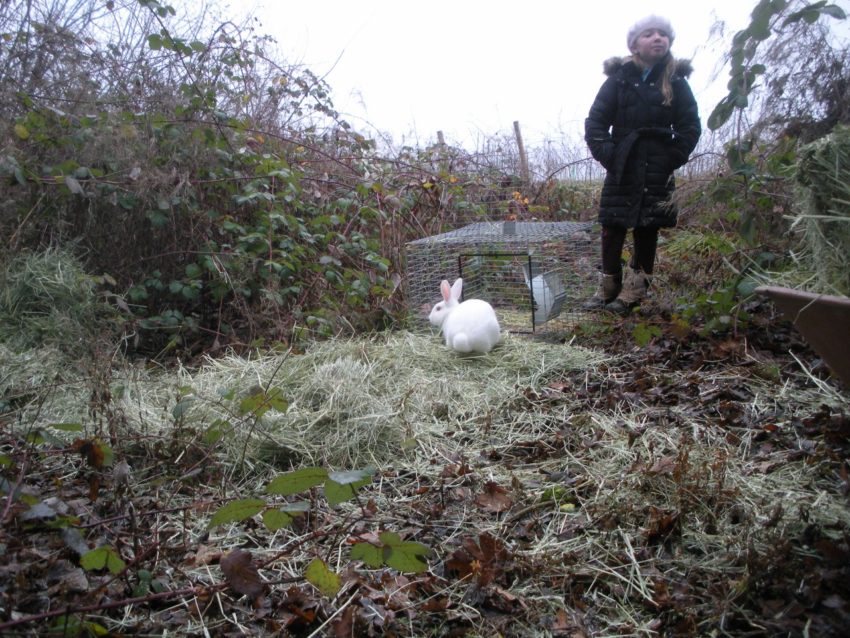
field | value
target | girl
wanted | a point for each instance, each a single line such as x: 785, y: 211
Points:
x: 642, y: 126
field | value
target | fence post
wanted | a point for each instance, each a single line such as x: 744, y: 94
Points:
x: 523, y: 158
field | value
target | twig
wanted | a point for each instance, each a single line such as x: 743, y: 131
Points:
x: 333, y: 615
x: 166, y: 595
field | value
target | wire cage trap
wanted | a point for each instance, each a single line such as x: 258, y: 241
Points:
x: 531, y: 272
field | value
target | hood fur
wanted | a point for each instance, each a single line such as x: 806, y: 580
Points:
x: 612, y: 65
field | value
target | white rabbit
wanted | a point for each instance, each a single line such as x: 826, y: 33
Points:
x: 470, y: 326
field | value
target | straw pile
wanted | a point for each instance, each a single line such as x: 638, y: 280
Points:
x: 823, y: 176
x: 627, y: 509
x: 359, y: 402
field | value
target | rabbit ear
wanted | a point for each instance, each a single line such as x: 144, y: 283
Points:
x: 457, y: 287
x: 444, y: 289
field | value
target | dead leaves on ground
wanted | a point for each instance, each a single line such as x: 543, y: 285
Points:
x: 801, y: 579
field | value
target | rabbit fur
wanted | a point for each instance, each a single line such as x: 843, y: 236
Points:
x: 470, y: 326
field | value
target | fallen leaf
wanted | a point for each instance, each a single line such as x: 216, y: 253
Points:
x: 322, y: 578
x: 205, y: 555
x: 241, y: 573
x: 494, y: 499
x: 664, y: 465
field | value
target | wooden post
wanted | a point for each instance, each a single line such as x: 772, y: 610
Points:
x: 523, y: 158
x: 442, y: 152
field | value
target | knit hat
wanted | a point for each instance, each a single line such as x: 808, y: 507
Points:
x: 649, y: 22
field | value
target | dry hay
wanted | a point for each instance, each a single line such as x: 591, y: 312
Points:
x: 612, y: 507
x: 823, y: 214
x: 365, y: 401
x: 628, y: 501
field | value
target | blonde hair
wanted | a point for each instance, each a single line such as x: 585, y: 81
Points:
x: 666, y: 79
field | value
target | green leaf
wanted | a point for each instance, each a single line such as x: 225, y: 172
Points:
x: 747, y: 287
x: 22, y: 131
x: 368, y: 553
x: 721, y: 113
x: 251, y: 404
x: 404, y: 555
x: 343, y: 486
x: 276, y: 519
x: 157, y: 218
x: 322, y: 578
x: 108, y: 454
x: 812, y: 12
x: 644, y: 333
x: 361, y: 477
x: 214, y: 433
x: 71, y: 626
x: 155, y: 42
x: 181, y: 407
x: 336, y: 493
x: 143, y: 586
x: 297, y: 481
x: 237, y: 511
x: 834, y: 11
x: 66, y: 427
x: 102, y: 557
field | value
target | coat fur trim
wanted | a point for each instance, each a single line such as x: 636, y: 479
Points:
x: 612, y: 65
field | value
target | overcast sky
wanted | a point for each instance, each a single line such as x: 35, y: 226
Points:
x: 471, y: 68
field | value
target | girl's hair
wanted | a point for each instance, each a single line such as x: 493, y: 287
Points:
x: 666, y: 80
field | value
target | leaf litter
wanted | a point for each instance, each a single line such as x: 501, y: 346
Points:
x: 675, y: 489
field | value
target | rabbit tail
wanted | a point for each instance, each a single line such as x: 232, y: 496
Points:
x: 460, y: 342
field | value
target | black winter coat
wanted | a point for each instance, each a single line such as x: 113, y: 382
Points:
x: 640, y: 142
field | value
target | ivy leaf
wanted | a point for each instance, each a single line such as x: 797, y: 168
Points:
x: 237, y: 511
x: 297, y: 481
x: 322, y: 578
x: 102, y: 557
x: 155, y: 42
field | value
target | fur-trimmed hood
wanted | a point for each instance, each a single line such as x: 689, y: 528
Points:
x: 612, y: 65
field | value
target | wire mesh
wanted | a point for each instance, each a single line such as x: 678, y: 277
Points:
x: 531, y: 272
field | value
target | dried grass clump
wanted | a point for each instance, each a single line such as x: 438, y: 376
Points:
x: 823, y: 176
x: 368, y: 400
x: 48, y: 299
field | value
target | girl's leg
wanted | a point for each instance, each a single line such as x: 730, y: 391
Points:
x: 613, y: 238
x: 646, y: 241
x: 611, y: 278
x: 637, y: 276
